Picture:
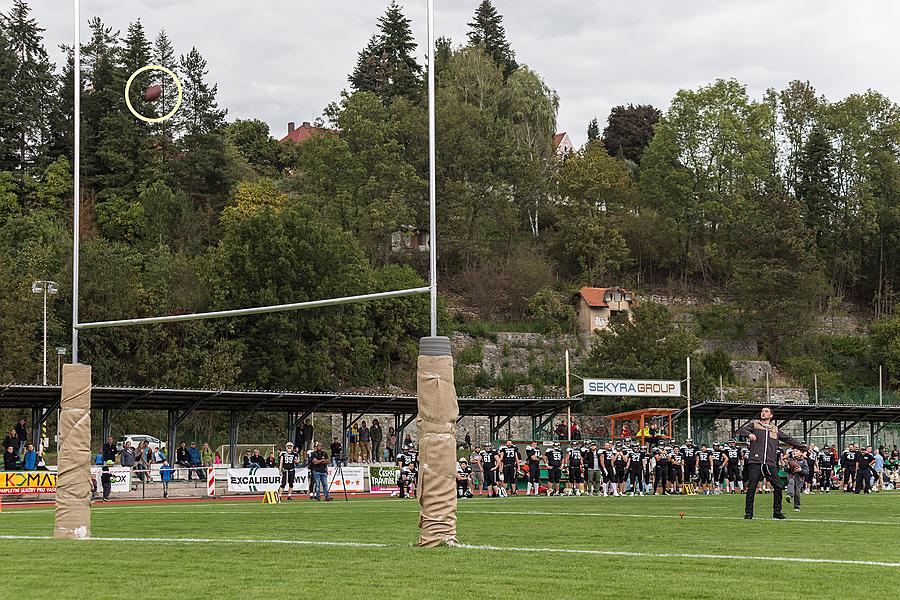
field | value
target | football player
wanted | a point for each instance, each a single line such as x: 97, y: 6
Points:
x: 554, y: 458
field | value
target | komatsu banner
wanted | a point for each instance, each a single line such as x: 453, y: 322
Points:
x: 631, y: 387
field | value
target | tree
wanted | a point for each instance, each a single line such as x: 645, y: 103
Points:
x: 33, y: 76
x: 199, y: 113
x: 885, y: 334
x: 815, y: 185
x: 9, y: 129
x: 164, y: 56
x: 777, y: 280
x: 252, y: 139
x: 487, y: 30
x: 629, y: 130
x: 593, y: 131
x: 386, y: 65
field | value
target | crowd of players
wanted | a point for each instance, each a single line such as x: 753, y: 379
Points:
x: 628, y: 467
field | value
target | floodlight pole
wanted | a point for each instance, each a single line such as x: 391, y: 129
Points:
x: 76, y: 196
x: 432, y: 176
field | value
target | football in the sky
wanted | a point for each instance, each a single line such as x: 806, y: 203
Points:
x: 152, y: 93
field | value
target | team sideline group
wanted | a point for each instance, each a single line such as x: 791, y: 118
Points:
x: 627, y: 467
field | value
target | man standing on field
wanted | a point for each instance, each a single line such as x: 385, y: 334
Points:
x: 764, y: 436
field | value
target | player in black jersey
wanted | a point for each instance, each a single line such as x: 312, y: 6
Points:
x: 510, y: 458
x: 490, y: 462
x: 689, y: 450
x: 635, y: 468
x: 720, y: 463
x: 733, y: 469
x: 826, y: 469
x: 533, y: 460
x: 575, y: 462
x: 812, y: 459
x: 463, y: 476
x: 607, y: 458
x: 704, y: 463
x: 554, y: 458
x: 661, y: 472
x: 287, y: 463
x: 865, y: 460
x: 745, y: 467
x: 848, y: 467
x: 676, y: 460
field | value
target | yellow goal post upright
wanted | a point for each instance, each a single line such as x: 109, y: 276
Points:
x: 80, y: 375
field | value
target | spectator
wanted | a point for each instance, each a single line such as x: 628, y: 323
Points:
x: 29, y: 461
x: 307, y: 434
x: 182, y: 459
x: 10, y: 458
x: 391, y: 445
x: 878, y: 470
x: 561, y: 432
x: 194, y: 458
x: 128, y: 458
x: 352, y: 438
x: 248, y: 460
x: 407, y: 441
x: 109, y: 450
x: 206, y: 455
x: 319, y: 469
x: 11, y: 440
x: 258, y: 459
x: 165, y: 475
x: 143, y: 464
x: 106, y: 480
x: 365, y: 443
x: 576, y: 432
x: 377, y: 435
x: 22, y: 434
x: 336, y: 449
x: 468, y: 441
x: 271, y: 463
x: 217, y: 459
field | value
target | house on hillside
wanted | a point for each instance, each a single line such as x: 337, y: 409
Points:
x: 597, y: 306
x: 410, y: 239
x: 562, y: 144
x: 304, y: 132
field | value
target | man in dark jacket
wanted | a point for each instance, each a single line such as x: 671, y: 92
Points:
x: 109, y: 450
x: 10, y: 459
x: 764, y: 436
x: 22, y: 434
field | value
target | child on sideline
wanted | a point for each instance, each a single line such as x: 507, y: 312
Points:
x: 165, y: 474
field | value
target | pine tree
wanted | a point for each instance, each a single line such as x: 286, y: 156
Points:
x: 30, y: 83
x: 164, y: 56
x: 386, y: 66
x: 8, y: 123
x: 199, y: 112
x: 593, y: 131
x: 487, y: 30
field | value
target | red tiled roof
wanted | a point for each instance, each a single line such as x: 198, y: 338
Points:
x: 557, y: 140
x: 594, y: 296
x: 304, y: 132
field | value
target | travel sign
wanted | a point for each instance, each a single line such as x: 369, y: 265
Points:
x: 631, y: 387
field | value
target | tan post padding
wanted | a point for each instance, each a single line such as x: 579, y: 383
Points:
x: 73, y: 483
x: 436, y: 423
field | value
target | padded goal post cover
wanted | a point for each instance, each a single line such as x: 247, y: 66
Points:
x: 436, y: 423
x: 73, y: 484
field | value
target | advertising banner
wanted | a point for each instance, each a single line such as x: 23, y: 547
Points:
x: 632, y: 387
x: 254, y: 480
x: 120, y: 477
x: 257, y: 481
x: 383, y: 480
x: 27, y: 482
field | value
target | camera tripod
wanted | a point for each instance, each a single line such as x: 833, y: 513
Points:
x: 340, y: 472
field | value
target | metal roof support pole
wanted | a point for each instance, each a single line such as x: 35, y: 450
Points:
x: 346, y: 450
x: 292, y: 426
x: 233, y: 438
x: 872, y: 434
x: 172, y: 431
x: 35, y: 426
x: 733, y: 429
x: 107, y: 424
x: 805, y: 430
x: 403, y: 425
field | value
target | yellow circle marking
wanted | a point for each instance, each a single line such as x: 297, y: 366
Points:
x: 166, y: 116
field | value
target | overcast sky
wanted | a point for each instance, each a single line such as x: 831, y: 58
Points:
x: 285, y: 60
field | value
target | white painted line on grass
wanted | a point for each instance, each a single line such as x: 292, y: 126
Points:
x: 646, y: 516
x: 867, y: 563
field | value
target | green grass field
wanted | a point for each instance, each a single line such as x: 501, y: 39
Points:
x: 241, y: 549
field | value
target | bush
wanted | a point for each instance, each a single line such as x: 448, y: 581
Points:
x: 551, y: 311
x: 718, y: 364
x: 720, y: 321
x: 471, y: 355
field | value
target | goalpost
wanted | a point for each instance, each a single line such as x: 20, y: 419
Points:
x: 438, y: 409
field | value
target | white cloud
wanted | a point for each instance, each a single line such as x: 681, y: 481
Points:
x: 285, y: 60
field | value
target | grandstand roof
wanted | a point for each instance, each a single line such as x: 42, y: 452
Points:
x: 102, y: 397
x: 862, y: 413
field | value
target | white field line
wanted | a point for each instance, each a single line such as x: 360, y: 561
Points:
x: 869, y: 563
x: 646, y: 516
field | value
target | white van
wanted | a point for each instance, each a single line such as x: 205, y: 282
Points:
x: 138, y: 438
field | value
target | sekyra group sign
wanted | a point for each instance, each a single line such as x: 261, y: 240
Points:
x: 631, y: 387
